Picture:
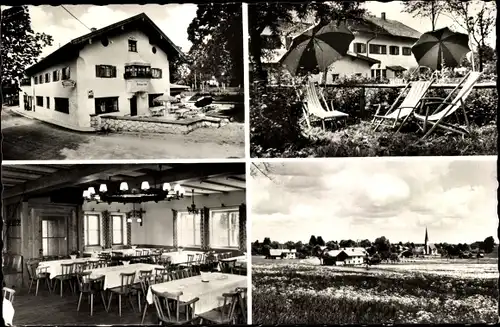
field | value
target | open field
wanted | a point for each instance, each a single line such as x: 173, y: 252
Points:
x: 431, y: 291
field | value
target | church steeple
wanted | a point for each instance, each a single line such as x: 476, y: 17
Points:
x: 426, y: 241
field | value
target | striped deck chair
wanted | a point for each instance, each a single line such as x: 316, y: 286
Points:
x: 314, y: 107
x: 396, y: 112
x: 447, y: 107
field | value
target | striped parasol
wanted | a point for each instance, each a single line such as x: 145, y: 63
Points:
x: 317, y: 48
x: 442, y: 45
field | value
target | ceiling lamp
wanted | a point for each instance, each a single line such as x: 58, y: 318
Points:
x: 192, y: 209
x: 133, y: 195
x: 137, y: 215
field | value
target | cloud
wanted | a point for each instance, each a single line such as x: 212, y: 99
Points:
x: 353, y: 198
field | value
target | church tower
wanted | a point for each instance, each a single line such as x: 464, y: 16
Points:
x: 426, y: 246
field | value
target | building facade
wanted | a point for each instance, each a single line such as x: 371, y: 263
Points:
x: 115, y: 70
x: 381, y: 48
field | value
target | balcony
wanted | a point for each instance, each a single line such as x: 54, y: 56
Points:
x: 137, y: 72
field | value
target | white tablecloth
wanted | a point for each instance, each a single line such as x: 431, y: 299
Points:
x: 112, y: 274
x: 210, y: 293
x: 179, y: 257
x: 241, y: 261
x: 7, y: 312
x: 54, y: 266
x: 132, y: 252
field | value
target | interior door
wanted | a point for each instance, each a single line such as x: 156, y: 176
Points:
x: 133, y: 106
x: 54, y: 236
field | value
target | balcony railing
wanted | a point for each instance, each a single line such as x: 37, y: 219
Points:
x: 132, y: 75
x: 137, y: 71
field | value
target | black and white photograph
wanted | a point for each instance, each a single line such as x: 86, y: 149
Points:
x: 122, y: 82
x: 375, y: 241
x: 141, y: 244
x: 366, y: 79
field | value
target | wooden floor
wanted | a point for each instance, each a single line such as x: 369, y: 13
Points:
x: 51, y: 309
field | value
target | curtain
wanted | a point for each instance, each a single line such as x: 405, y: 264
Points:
x: 243, y: 227
x: 174, y: 216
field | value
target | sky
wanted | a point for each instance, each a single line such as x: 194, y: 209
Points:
x: 455, y: 198
x: 394, y: 10
x: 172, y: 19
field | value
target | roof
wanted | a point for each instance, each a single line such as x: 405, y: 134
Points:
x: 396, y: 68
x: 351, y: 252
x: 73, y: 47
x: 387, y: 27
x: 362, y: 57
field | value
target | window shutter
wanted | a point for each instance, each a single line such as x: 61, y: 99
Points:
x: 97, y: 71
x: 113, y: 71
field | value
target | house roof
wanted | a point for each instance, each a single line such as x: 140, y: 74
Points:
x: 72, y: 48
x: 392, y: 27
x: 362, y: 57
x: 351, y: 252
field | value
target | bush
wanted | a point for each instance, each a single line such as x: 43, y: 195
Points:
x: 274, y: 120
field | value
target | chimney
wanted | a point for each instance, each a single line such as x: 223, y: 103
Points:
x: 93, y: 29
x: 382, y: 15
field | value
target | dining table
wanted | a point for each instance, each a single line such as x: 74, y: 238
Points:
x: 178, y: 257
x: 209, y: 293
x: 112, y: 274
x: 54, y: 266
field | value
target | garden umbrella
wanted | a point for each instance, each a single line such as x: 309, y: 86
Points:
x: 317, y: 48
x: 441, y: 46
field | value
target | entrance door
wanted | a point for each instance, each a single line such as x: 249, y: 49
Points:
x: 133, y: 106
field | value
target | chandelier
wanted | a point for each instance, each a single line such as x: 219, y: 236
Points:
x: 192, y: 209
x: 133, y: 195
x: 136, y: 215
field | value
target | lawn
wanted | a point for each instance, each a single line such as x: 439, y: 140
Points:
x: 462, y: 291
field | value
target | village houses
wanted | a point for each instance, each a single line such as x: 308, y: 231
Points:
x: 118, y: 70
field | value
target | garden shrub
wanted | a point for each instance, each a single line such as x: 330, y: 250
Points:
x: 274, y: 119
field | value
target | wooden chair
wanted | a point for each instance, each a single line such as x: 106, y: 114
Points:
x: 8, y: 293
x: 242, y: 300
x: 447, y: 107
x: 177, y: 312
x: 190, y: 261
x: 227, y: 267
x: 144, y: 282
x: 224, y: 315
x: 66, y: 275
x: 36, y: 276
x: 186, y: 273
x: 90, y: 287
x: 159, y: 274
x: 399, y: 112
x: 127, y: 280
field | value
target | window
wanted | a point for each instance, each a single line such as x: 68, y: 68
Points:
x: 92, y: 230
x: 40, y: 79
x: 224, y: 228
x: 106, y: 105
x: 384, y: 73
x: 406, y: 51
x: 36, y: 79
x: 117, y: 227
x: 39, y: 101
x: 378, y: 49
x: 156, y: 72
x: 271, y: 42
x: 132, y: 46
x: 153, y: 49
x: 47, y: 78
x: 394, y: 50
x: 188, y: 229
x: 335, y: 77
x: 61, y: 105
x: 379, y: 73
x: 136, y: 71
x: 45, y: 237
x: 105, y: 71
x: 66, y: 73
x: 47, y: 102
x: 56, y: 75
x: 359, y: 48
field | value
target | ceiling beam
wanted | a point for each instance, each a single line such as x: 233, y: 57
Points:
x: 237, y: 178
x: 189, y: 187
x: 13, y: 180
x: 32, y: 168
x: 231, y: 186
x: 6, y: 172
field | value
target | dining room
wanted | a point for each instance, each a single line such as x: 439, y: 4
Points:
x: 142, y: 243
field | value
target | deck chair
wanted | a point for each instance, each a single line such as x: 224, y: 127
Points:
x: 314, y: 107
x: 447, y: 107
x: 396, y: 112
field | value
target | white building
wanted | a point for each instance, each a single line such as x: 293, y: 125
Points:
x: 283, y: 253
x: 116, y: 70
x: 346, y: 256
x: 381, y: 48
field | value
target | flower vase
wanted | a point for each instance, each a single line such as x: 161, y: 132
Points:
x: 73, y: 256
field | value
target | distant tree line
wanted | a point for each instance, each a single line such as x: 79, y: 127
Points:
x: 380, y: 249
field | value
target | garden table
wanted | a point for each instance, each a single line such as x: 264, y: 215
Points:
x: 112, y: 274
x: 209, y: 293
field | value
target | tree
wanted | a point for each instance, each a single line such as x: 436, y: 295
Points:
x: 331, y: 245
x: 425, y: 9
x: 365, y: 243
x: 382, y: 244
x: 477, y: 17
x: 313, y: 241
x: 21, y: 46
x: 319, y: 241
x: 267, y: 241
x: 290, y: 245
x: 217, y: 36
x: 272, y: 15
x: 275, y: 245
x: 489, y: 244
x: 347, y: 244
